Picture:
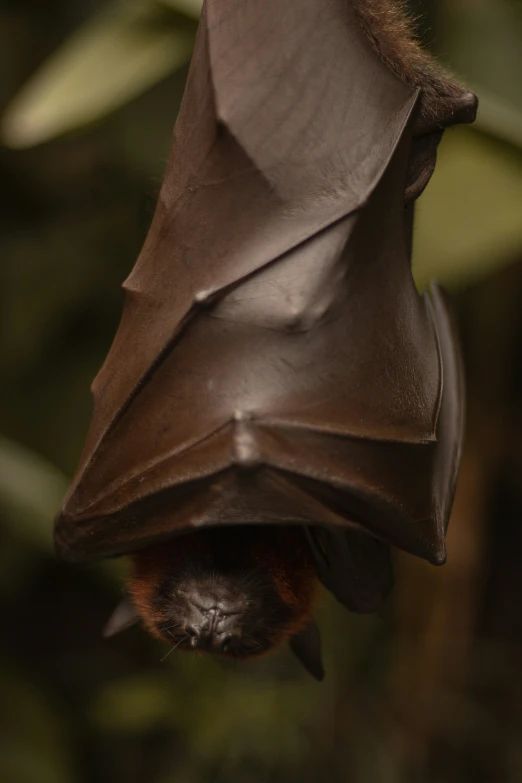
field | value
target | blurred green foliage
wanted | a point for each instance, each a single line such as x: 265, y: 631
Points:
x: 124, y: 49
x: 430, y: 691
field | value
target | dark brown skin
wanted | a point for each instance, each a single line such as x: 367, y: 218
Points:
x: 275, y: 362
x: 268, y: 573
x: 232, y: 591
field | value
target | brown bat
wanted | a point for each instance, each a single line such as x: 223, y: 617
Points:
x: 280, y: 405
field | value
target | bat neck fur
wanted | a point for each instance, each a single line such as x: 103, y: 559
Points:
x: 391, y: 32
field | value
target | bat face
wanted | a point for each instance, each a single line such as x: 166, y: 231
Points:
x: 235, y: 591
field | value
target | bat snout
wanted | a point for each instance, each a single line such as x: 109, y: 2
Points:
x: 212, y: 641
x: 213, y: 629
x: 213, y: 622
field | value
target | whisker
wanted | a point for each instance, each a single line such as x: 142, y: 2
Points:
x: 172, y: 648
x: 167, y: 627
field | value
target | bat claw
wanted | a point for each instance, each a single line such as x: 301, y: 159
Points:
x: 306, y: 646
x: 123, y: 617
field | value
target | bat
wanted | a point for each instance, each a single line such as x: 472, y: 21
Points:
x: 280, y: 406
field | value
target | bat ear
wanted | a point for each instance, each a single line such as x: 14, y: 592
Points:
x: 306, y: 645
x: 122, y: 618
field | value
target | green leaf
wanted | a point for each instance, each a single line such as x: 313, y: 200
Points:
x: 31, y: 493
x: 482, y: 41
x: 190, y: 8
x: 115, y: 56
x: 499, y: 118
x: 468, y: 223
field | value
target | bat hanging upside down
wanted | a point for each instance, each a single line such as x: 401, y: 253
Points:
x: 280, y: 407
x: 235, y: 591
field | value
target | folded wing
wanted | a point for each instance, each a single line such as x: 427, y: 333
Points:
x: 274, y: 362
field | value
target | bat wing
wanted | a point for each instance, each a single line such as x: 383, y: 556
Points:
x: 274, y: 362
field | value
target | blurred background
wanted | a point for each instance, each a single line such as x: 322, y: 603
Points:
x: 430, y: 690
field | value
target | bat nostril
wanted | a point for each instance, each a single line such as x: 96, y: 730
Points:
x: 193, y: 634
x: 225, y: 643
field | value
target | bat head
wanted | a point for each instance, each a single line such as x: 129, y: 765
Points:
x: 234, y: 591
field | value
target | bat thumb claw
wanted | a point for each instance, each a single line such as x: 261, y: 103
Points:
x: 306, y: 646
x: 122, y: 618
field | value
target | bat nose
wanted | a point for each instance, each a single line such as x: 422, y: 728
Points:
x: 212, y: 626
x: 211, y: 639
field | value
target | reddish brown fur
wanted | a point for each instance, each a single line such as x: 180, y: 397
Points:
x: 391, y: 33
x: 292, y: 571
x: 280, y: 553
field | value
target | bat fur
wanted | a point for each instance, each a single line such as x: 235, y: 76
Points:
x: 443, y: 100
x: 392, y: 34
